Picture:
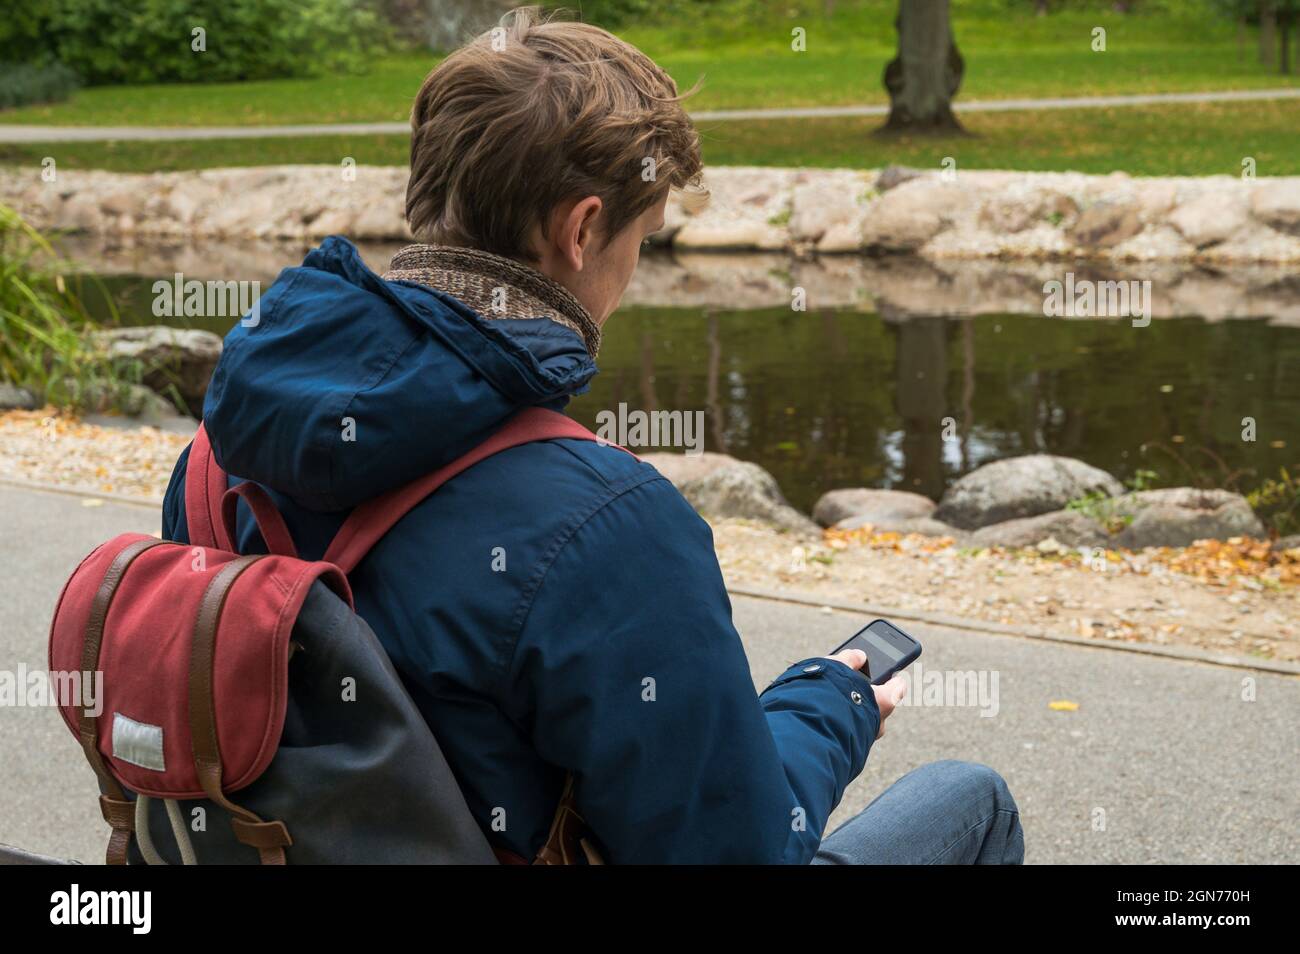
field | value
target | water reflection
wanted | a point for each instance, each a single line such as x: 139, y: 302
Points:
x: 914, y: 375
x: 833, y: 398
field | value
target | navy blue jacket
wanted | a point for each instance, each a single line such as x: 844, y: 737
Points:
x: 556, y: 607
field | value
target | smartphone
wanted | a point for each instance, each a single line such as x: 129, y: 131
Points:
x: 888, y: 650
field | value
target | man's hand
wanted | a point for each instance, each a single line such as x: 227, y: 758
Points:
x: 887, y: 696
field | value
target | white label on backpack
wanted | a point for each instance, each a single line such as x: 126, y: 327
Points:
x: 138, y: 743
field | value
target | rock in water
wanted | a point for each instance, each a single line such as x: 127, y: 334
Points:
x: 14, y: 398
x: 869, y: 505
x: 1179, y: 516
x: 184, y: 357
x: 721, y: 486
x: 1069, y: 528
x: 1021, y: 487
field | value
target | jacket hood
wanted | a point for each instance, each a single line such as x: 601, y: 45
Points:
x: 342, y: 385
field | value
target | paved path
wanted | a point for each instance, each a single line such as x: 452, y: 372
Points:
x: 24, y: 133
x: 1184, y: 770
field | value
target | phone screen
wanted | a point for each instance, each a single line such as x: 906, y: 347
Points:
x: 888, y: 649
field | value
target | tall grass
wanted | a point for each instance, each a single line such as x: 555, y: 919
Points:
x: 45, y: 330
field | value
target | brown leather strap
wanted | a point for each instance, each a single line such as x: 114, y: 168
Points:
x: 269, y: 838
x: 114, y: 806
x: 120, y: 815
x: 569, y: 835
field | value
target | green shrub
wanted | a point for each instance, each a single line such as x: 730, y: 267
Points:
x: 150, y: 41
x: 1113, y: 513
x: 1277, y: 503
x: 22, y: 84
x: 44, y: 329
x: 611, y: 13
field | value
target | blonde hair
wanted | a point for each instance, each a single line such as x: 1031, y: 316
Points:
x: 534, y: 112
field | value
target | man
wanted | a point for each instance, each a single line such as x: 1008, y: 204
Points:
x: 557, y: 610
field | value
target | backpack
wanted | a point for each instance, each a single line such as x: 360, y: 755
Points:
x: 224, y: 731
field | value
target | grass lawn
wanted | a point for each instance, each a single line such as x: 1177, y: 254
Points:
x: 1200, y: 139
x: 743, y: 62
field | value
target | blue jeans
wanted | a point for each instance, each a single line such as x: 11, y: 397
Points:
x: 944, y: 813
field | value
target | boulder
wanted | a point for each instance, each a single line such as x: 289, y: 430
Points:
x: 1067, y: 527
x: 14, y: 398
x: 721, y: 486
x: 80, y: 213
x: 908, y: 216
x: 381, y: 220
x: 1105, y: 224
x: 179, y: 357
x: 123, y: 203
x: 1210, y: 218
x: 1277, y: 205
x: 831, y: 200
x: 1014, y: 210
x: 186, y: 202
x: 748, y: 208
x: 1179, y: 516
x: 892, y: 176
x: 255, y: 214
x: 1156, y: 243
x: 869, y: 505
x: 1020, y: 487
x: 730, y: 232
x: 1155, y: 199
x: 1255, y: 243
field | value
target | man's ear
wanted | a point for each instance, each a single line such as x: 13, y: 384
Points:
x: 577, y: 231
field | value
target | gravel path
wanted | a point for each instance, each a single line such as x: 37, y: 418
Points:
x: 16, y: 133
x: 46, y: 448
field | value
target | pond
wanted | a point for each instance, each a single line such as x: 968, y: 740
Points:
x: 854, y: 395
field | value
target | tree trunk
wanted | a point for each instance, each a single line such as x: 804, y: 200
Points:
x: 1284, y: 22
x: 1267, y: 32
x: 1040, y: 7
x: 926, y: 73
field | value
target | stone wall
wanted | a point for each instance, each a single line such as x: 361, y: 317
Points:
x: 974, y: 215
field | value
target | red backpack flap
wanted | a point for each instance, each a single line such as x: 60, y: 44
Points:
x: 148, y: 615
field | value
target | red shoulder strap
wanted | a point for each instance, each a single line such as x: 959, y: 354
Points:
x: 205, y: 485
x: 367, y: 524
x: 206, y: 492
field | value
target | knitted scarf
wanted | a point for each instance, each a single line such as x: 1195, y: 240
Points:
x: 494, y: 286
